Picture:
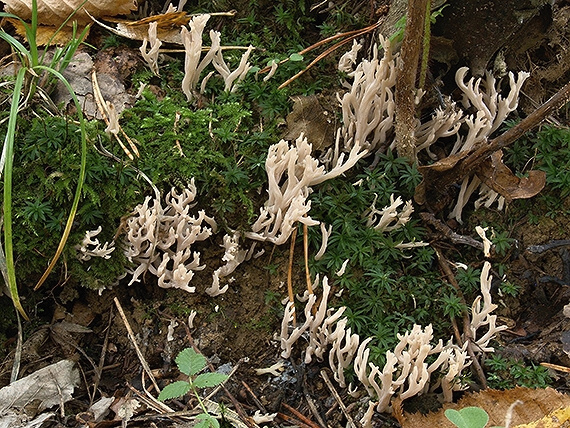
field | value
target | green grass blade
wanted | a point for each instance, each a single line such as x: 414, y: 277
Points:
x: 79, y: 188
x: 7, y: 202
x: 20, y: 49
x: 31, y: 33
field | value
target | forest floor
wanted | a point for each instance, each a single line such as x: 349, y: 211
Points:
x: 239, y: 330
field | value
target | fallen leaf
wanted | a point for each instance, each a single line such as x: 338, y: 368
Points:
x: 308, y: 117
x: 55, y: 12
x: 536, y: 403
x: 168, y: 27
x: 46, y: 387
x: 558, y: 419
x: 495, y: 174
x: 46, y: 34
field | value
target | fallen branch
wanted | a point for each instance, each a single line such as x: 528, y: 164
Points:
x: 438, y: 176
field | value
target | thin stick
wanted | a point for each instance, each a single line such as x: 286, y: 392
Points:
x: 452, y: 169
x: 290, y: 272
x: 352, y: 34
x: 449, y: 233
x: 258, y: 403
x: 336, y: 396
x: 103, y: 109
x: 313, y: 62
x: 300, y: 416
x: 556, y: 367
x: 99, y: 370
x: 134, y: 342
x: 158, y: 406
x: 306, y: 251
x: 313, y: 407
x: 293, y: 420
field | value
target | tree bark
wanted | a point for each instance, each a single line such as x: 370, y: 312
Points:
x: 406, y: 79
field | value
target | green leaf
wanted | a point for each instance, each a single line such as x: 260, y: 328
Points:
x: 190, y: 362
x: 206, y: 421
x: 174, y: 390
x: 296, y: 57
x: 468, y: 417
x: 206, y: 380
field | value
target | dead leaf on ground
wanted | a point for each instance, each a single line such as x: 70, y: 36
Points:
x: 46, y: 34
x: 495, y: 174
x: 308, y: 117
x: 167, y: 30
x: 557, y: 419
x: 536, y: 404
x: 46, y: 388
x: 55, y: 12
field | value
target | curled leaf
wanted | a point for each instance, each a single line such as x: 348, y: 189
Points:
x: 495, y: 174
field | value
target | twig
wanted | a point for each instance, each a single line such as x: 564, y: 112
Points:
x: 449, y: 233
x: 159, y: 407
x: 336, y: 396
x: 136, y: 346
x: 99, y: 369
x: 313, y: 407
x: 258, y: 403
x: 293, y: 420
x: 556, y: 367
x: 313, y: 62
x: 300, y: 416
x: 452, y: 169
x: 103, y: 109
x: 538, y: 249
x: 222, y: 385
x: 351, y: 34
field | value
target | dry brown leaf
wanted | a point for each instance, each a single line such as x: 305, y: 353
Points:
x: 495, y: 174
x: 168, y: 27
x: 46, y: 34
x: 557, y: 419
x: 311, y: 119
x: 55, y: 12
x: 537, y: 403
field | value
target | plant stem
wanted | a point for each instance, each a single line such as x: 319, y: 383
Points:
x: 406, y: 80
x: 7, y: 203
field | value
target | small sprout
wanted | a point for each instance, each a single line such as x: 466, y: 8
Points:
x: 295, y: 57
x: 191, y: 363
x: 468, y: 417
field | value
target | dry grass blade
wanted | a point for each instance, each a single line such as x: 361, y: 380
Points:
x: 144, y: 363
x: 105, y: 113
x: 336, y: 396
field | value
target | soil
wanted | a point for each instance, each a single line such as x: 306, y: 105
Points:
x: 237, y: 329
